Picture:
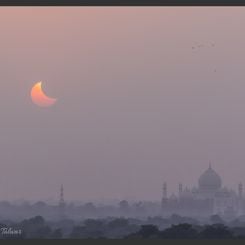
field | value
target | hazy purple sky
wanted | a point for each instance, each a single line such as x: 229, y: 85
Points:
x: 136, y: 104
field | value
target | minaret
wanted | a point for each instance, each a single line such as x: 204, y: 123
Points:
x: 164, y: 194
x: 164, y: 190
x: 240, y: 200
x: 62, y: 203
x: 180, y: 189
x: 240, y: 189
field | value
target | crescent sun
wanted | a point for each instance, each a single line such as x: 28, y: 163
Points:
x: 40, y: 98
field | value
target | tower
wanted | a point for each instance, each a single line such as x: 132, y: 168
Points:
x: 61, y: 203
x: 240, y: 200
x: 164, y: 190
x: 180, y: 189
x: 164, y: 195
x: 240, y: 189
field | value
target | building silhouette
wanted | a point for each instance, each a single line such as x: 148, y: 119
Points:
x: 62, y: 204
x: 209, y: 198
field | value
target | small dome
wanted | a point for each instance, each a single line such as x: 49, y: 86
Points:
x: 173, y: 197
x: 209, y: 180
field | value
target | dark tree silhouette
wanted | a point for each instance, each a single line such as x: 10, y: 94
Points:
x: 124, y: 206
x: 181, y: 231
x: 35, y: 228
x: 83, y: 232
x: 216, y: 231
x: 91, y: 229
x: 216, y: 219
x: 119, y: 228
x: 89, y: 208
x: 56, y: 234
x: 118, y: 223
x: 148, y: 231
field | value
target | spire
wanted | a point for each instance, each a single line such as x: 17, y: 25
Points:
x: 209, y: 165
x: 180, y: 189
x: 240, y: 190
x: 164, y: 194
x: 62, y: 201
x: 62, y: 205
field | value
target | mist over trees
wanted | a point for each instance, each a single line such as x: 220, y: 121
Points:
x: 124, y: 220
x: 20, y: 211
x: 119, y: 228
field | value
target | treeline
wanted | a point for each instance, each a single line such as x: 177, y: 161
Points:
x: 75, y: 211
x: 117, y: 228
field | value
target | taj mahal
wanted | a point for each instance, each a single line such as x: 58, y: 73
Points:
x: 209, y: 198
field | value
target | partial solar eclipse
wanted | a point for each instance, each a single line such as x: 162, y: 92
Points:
x: 40, y: 98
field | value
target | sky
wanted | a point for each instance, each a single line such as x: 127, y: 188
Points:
x: 145, y: 95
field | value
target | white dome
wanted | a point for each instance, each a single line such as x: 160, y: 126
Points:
x: 209, y: 180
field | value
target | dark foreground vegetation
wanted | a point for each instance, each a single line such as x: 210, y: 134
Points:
x: 122, y: 228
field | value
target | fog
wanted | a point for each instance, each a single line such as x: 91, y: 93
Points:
x: 145, y: 95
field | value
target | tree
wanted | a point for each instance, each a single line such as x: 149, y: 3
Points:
x: 85, y: 233
x: 216, y: 219
x: 175, y: 219
x: 78, y: 232
x: 39, y: 205
x: 35, y: 228
x: 118, y: 223
x: 57, y: 234
x: 32, y: 224
x: 181, y: 231
x: 119, y: 228
x: 148, y: 231
x: 89, y: 208
x: 43, y: 232
x: 93, y: 224
x: 124, y: 206
x: 216, y: 231
x: 91, y: 228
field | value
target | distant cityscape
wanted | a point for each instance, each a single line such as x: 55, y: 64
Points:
x: 206, y: 211
x: 210, y: 197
